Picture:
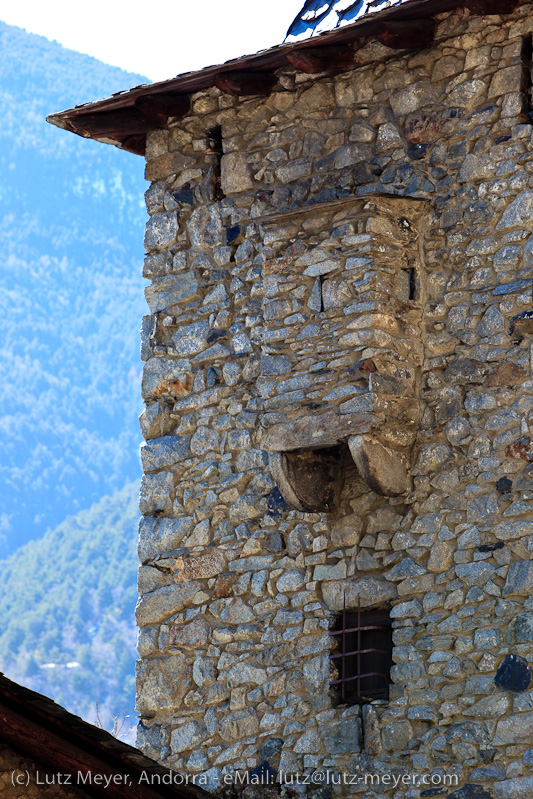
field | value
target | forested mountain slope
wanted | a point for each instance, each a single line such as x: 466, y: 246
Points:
x: 71, y: 296
x: 67, y: 608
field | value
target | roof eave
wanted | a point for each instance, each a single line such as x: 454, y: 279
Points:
x: 129, y: 134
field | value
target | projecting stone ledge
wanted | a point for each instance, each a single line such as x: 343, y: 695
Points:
x: 317, y: 431
x: 308, y: 465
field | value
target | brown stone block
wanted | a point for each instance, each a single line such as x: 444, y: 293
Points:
x: 235, y: 173
x: 189, y: 636
x: 200, y: 567
x: 421, y: 128
x: 168, y: 164
x: 522, y: 449
x: 506, y: 374
x: 522, y: 324
x: 314, y: 432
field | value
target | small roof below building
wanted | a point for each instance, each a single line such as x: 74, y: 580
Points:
x: 61, y: 743
x: 126, y: 117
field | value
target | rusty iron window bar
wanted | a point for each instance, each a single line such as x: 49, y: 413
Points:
x: 365, y: 657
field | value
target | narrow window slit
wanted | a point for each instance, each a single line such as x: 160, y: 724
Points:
x: 526, y: 56
x: 412, y: 282
x: 321, y: 292
x: 406, y: 285
x: 215, y: 147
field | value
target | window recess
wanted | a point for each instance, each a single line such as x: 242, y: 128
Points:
x: 363, y: 656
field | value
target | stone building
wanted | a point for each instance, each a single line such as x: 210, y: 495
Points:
x: 339, y: 407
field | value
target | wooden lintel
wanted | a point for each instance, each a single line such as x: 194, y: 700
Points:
x: 313, y: 60
x: 412, y: 35
x: 482, y: 8
x: 244, y: 84
x: 111, y: 124
x: 159, y: 107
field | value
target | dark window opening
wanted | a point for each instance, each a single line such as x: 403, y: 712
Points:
x: 215, y: 148
x: 363, y: 657
x: 412, y: 282
x: 406, y: 285
x: 321, y: 290
x: 527, y: 79
x: 311, y: 480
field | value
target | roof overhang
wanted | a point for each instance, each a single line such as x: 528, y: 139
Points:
x: 125, y: 118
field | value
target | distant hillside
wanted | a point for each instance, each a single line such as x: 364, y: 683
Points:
x: 67, y: 608
x: 71, y: 292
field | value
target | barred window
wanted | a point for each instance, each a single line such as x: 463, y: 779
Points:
x: 363, y: 657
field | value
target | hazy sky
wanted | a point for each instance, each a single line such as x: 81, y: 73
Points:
x: 158, y: 38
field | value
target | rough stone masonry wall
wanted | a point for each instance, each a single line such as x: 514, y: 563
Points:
x: 238, y: 591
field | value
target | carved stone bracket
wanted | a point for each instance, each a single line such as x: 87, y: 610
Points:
x: 385, y: 471
x: 308, y: 460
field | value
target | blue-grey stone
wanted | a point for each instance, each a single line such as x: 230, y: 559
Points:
x: 515, y: 788
x: 161, y: 230
x: 521, y: 629
x: 515, y: 285
x: 188, y: 736
x: 315, y: 298
x: 271, y: 748
x: 507, y: 256
x: 519, y: 578
x: 464, y: 370
x: 513, y: 674
x: 241, y: 344
x: 467, y: 732
x: 190, y: 339
x: 167, y: 291
x: 216, y: 352
x: 149, y: 740
x: 343, y: 737
x: 276, y: 504
x: 154, y: 494
x: 492, y: 322
x: 211, y: 780
x: 275, y: 364
x: 205, y: 228
x: 159, y: 535
x: 519, y: 213
x: 471, y: 791
x: 160, y: 453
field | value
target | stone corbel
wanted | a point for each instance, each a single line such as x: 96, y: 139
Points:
x: 308, y: 459
x: 384, y: 470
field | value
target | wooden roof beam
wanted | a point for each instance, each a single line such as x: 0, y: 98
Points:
x: 313, y: 60
x: 483, y: 8
x: 245, y: 84
x: 412, y: 35
x: 148, y: 113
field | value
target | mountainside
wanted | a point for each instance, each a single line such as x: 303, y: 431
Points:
x: 67, y: 608
x: 71, y: 293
